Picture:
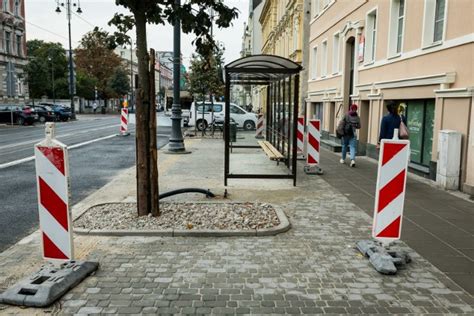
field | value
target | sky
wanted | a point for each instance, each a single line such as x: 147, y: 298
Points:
x: 42, y: 22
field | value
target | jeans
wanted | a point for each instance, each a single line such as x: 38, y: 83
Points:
x: 352, y: 142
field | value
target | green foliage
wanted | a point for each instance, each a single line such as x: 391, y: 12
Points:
x: 44, y: 59
x: 205, y: 75
x: 96, y: 59
x: 85, y: 85
x: 194, y: 15
x: 119, y: 82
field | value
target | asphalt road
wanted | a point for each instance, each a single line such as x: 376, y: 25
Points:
x: 92, y: 165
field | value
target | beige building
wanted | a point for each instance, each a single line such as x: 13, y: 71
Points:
x: 419, y: 53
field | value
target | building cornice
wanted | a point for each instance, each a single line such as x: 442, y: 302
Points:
x: 444, y: 78
x: 455, y: 93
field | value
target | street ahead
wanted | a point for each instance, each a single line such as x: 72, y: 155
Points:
x: 97, y: 155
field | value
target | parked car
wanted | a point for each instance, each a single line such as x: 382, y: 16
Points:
x: 201, y: 114
x: 17, y: 114
x: 61, y: 112
x: 44, y: 112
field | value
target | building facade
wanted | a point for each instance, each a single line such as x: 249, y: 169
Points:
x: 13, y: 59
x: 416, y: 53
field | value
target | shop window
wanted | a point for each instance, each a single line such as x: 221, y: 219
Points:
x: 371, y: 36
x: 420, y: 121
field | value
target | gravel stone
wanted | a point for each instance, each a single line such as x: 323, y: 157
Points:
x: 186, y: 216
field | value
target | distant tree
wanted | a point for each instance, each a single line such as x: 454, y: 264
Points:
x: 195, y: 18
x: 85, y: 85
x: 95, y: 57
x: 119, y: 82
x: 45, y: 60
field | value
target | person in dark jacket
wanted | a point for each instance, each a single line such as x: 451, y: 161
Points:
x: 349, y: 138
x: 390, y: 122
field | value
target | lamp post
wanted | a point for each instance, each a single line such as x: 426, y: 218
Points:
x: 67, y: 4
x: 52, y: 78
x: 176, y: 144
x: 131, y: 76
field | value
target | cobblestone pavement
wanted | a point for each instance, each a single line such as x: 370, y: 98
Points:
x: 312, y: 269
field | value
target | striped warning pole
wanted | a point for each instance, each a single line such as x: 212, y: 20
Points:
x: 260, y: 126
x: 314, y: 139
x: 300, y: 139
x: 124, y: 122
x: 390, y: 191
x: 52, y: 176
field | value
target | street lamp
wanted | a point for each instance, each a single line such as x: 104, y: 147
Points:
x: 67, y: 4
x: 176, y: 139
x: 52, y: 78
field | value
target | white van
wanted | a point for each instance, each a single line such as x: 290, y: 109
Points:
x: 244, y: 119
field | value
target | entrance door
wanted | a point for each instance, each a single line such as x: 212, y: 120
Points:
x: 349, y: 71
x: 420, y: 121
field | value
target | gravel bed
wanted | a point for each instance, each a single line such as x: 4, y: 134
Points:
x: 208, y: 216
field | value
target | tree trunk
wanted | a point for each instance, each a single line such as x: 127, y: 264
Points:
x: 155, y: 208
x: 142, y: 116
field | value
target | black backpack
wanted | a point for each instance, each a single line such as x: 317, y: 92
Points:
x: 348, y: 129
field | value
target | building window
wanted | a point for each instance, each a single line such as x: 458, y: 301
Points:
x: 17, y: 7
x: 8, y: 40
x: 371, y: 36
x: 295, y: 34
x: 325, y: 4
x: 324, y: 59
x: 335, y: 53
x: 6, y: 7
x: 434, y: 22
x: 315, y: 7
x: 18, y: 45
x: 397, y: 25
x: 439, y: 20
x: 314, y: 63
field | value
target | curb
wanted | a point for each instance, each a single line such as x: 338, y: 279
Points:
x: 284, y: 226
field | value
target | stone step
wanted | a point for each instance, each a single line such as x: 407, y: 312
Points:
x: 331, y: 145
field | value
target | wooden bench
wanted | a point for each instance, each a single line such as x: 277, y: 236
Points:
x: 271, y: 151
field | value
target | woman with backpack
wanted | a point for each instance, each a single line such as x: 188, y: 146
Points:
x: 346, y: 130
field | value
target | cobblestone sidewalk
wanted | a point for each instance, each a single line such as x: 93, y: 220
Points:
x: 312, y: 269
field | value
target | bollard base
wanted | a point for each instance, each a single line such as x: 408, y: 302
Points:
x: 313, y: 170
x: 124, y: 134
x: 382, y: 258
x: 47, y: 285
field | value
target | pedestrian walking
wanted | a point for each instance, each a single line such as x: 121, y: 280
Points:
x: 347, y: 131
x: 395, y: 119
x: 94, y: 106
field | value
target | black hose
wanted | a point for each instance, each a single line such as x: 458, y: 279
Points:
x: 208, y: 193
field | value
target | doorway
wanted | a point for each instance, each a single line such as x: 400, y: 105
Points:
x: 349, y: 71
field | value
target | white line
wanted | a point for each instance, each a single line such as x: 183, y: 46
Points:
x: 23, y: 160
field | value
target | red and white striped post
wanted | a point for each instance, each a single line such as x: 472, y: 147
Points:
x: 314, y: 140
x: 300, y: 139
x: 260, y: 126
x: 124, y: 122
x: 52, y: 176
x: 390, y: 191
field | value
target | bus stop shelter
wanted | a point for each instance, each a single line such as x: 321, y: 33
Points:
x: 280, y: 79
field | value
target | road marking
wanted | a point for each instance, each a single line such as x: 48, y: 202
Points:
x: 23, y: 160
x: 58, y: 136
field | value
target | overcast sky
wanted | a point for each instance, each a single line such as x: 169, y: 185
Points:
x: 42, y: 22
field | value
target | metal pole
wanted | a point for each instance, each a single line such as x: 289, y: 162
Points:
x: 71, y: 66
x: 52, y: 75
x: 176, y: 138
x: 131, y: 74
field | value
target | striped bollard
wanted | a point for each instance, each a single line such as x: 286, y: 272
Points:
x: 260, y: 126
x: 52, y: 176
x: 390, y: 190
x: 300, y: 139
x: 124, y: 122
x: 314, y: 139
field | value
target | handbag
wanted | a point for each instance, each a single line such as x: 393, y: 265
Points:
x: 403, y: 130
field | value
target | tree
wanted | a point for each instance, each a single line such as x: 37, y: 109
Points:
x: 96, y: 59
x: 195, y: 18
x: 205, y: 74
x: 119, y: 82
x: 45, y: 60
x: 85, y: 85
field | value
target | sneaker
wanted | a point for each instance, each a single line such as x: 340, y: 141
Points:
x: 353, y: 163
x: 341, y: 161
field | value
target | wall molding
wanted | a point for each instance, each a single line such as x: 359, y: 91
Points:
x: 455, y: 93
x: 444, y: 78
